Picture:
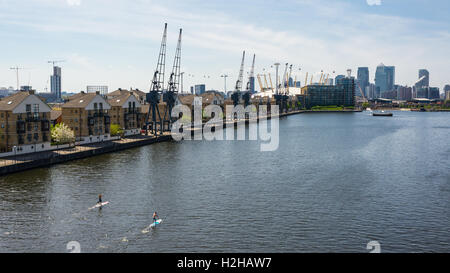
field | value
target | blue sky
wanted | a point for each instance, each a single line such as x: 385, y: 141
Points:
x: 116, y: 42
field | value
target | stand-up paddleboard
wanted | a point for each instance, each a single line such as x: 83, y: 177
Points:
x: 100, y: 205
x: 153, y: 225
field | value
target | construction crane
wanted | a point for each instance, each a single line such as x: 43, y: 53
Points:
x: 54, y: 62
x: 306, y: 79
x: 16, y: 68
x: 362, y: 92
x: 236, y: 96
x: 156, y: 89
x: 170, y: 96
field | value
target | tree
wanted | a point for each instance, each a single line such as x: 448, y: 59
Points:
x: 116, y: 130
x: 62, y: 134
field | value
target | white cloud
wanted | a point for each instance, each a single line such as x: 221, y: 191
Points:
x: 73, y: 2
x: 213, y: 41
x: 373, y: 2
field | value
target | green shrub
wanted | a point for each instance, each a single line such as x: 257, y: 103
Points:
x: 116, y: 130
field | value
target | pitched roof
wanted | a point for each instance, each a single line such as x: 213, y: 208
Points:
x: 119, y: 100
x: 81, y: 100
x: 11, y: 102
x: 186, y: 99
x: 55, y: 114
x: 120, y: 92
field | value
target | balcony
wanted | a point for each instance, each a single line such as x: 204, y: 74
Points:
x: 98, y: 114
x: 45, y: 125
x: 20, y: 125
x: 32, y: 117
x: 91, y: 121
x: 107, y: 120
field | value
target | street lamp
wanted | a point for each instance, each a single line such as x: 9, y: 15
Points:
x: 225, y: 76
x: 276, y: 77
x: 181, y: 74
x: 15, y: 154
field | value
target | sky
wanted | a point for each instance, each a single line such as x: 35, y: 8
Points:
x: 116, y: 42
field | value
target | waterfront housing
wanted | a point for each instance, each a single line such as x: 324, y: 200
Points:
x: 24, y: 124
x: 343, y: 93
x: 140, y: 95
x: 87, y: 115
x: 126, y: 112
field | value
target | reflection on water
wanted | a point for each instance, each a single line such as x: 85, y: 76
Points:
x: 336, y: 182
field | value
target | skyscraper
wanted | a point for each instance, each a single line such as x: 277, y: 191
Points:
x: 385, y: 78
x: 338, y: 77
x: 55, y: 81
x: 363, y: 79
x: 425, y: 82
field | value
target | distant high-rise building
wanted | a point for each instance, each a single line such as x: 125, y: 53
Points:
x: 363, y: 78
x: 338, y: 77
x: 385, y: 78
x: 200, y: 89
x: 433, y: 93
x: 55, y: 82
x: 371, y: 91
x: 102, y: 89
x: 425, y: 82
x: 446, y: 88
x: 404, y: 93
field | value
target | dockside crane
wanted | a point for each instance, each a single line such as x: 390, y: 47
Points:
x: 236, y: 95
x: 156, y: 89
x: 247, y: 95
x: 170, y: 96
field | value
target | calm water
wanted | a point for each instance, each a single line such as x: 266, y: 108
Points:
x: 336, y: 182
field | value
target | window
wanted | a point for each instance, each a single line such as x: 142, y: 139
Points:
x: 28, y: 107
x: 36, y: 126
x: 36, y: 108
x: 29, y: 137
x: 36, y: 136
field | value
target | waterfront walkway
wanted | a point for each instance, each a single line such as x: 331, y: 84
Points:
x: 19, y: 163
x: 27, y: 161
